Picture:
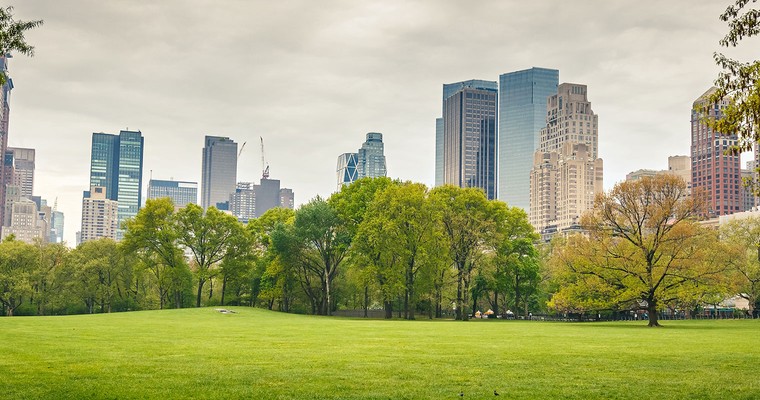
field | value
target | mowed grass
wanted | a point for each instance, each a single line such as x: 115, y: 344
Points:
x: 256, y: 354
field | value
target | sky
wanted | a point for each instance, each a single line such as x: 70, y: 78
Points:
x: 313, y: 77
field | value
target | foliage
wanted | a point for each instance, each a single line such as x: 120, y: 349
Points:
x: 12, y: 35
x: 642, y: 247
x: 742, y: 239
x: 739, y: 81
x: 17, y: 263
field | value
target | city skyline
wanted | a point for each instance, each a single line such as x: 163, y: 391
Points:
x: 307, y: 77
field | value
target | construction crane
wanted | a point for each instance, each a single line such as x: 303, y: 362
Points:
x: 241, y: 149
x: 264, y: 166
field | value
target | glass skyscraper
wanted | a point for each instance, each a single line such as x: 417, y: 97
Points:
x: 469, y: 135
x: 369, y: 161
x: 522, y: 115
x: 116, y: 163
x: 438, y: 151
x: 219, y: 174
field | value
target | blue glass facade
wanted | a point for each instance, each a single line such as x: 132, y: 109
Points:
x: 438, y: 151
x: 116, y: 164
x: 522, y: 115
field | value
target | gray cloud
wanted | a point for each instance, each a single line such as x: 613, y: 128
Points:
x: 313, y: 77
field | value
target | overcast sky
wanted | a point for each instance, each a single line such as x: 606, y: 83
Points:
x: 313, y: 77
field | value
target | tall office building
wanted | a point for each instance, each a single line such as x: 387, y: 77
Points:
x: 5, y: 93
x: 26, y: 223
x: 369, y: 161
x: 23, y: 170
x: 346, y: 171
x: 438, y: 151
x: 219, y: 170
x: 100, y: 215
x: 287, y: 198
x: 251, y: 201
x: 116, y: 163
x: 567, y: 173
x: 713, y: 171
x: 522, y: 115
x: 181, y: 193
x: 469, y: 135
x: 56, y: 230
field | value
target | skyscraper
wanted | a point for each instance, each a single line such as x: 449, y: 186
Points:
x: 368, y: 161
x: 56, y: 222
x: 23, y: 170
x: 438, y: 151
x: 469, y: 139
x: 180, y: 192
x: 567, y: 173
x: 5, y: 93
x: 346, y: 171
x: 219, y: 170
x: 713, y: 171
x: 99, y: 215
x: 522, y: 115
x: 116, y: 164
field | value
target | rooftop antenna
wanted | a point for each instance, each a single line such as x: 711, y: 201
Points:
x: 264, y: 166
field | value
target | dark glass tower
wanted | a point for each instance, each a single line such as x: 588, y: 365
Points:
x: 469, y: 135
x: 522, y: 115
x: 116, y: 163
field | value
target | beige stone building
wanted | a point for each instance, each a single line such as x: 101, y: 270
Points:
x: 567, y: 172
x: 26, y: 223
x: 100, y: 217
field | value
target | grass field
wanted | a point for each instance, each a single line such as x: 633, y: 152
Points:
x: 256, y: 354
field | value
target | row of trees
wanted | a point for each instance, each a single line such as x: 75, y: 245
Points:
x: 378, y: 243
x: 399, y: 247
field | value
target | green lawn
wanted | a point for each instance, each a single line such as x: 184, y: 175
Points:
x: 256, y: 354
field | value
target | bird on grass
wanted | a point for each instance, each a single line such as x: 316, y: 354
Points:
x: 461, y: 394
x: 495, y: 393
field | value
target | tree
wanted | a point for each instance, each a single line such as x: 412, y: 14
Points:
x: 739, y: 81
x: 275, y: 278
x: 97, y: 270
x: 17, y: 263
x: 153, y: 234
x: 743, y: 239
x: 469, y: 223
x: 642, y: 247
x: 12, y: 35
x: 316, y: 245
x: 210, y: 237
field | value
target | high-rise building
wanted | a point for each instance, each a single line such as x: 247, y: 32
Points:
x: 181, y: 193
x: 251, y: 201
x: 116, y: 164
x: 23, y: 170
x: 469, y: 139
x: 100, y: 215
x: 5, y: 93
x: 438, y: 151
x: 369, y: 161
x: 346, y: 171
x: 219, y: 170
x: 748, y: 196
x: 56, y: 231
x: 714, y: 171
x: 242, y: 202
x: 522, y: 115
x: 287, y: 198
x: 26, y: 224
x: 567, y: 173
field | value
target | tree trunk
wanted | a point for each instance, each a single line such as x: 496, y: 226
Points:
x: 652, y: 310
x: 200, y: 290
x: 366, y: 301
x: 496, y: 302
x: 224, y: 287
x: 460, y: 303
x: 210, y: 288
x: 465, y: 315
x: 388, y: 309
